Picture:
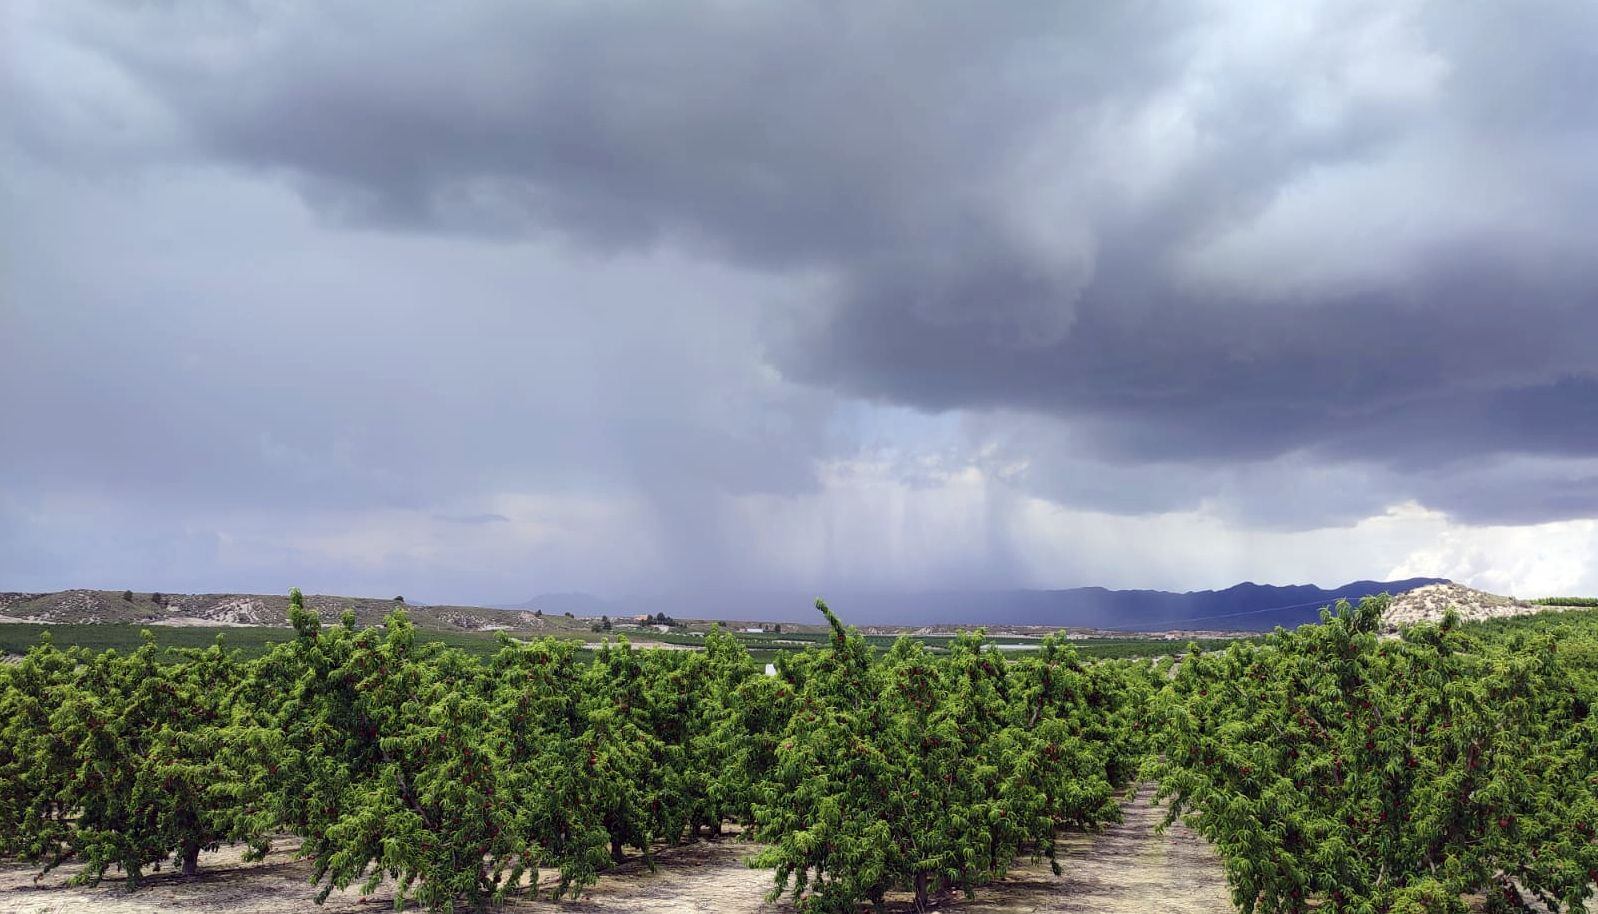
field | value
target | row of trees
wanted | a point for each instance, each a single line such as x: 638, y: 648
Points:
x: 457, y: 778
x: 386, y: 755
x: 932, y: 772
x: 1332, y: 768
x: 119, y: 760
x: 1343, y: 772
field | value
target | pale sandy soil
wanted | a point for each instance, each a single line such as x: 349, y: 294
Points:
x: 196, y: 622
x: 1125, y: 869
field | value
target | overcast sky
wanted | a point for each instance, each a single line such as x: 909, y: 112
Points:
x: 472, y: 301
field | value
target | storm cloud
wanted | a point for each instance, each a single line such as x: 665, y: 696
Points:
x: 896, y: 277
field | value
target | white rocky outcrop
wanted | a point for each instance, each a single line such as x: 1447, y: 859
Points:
x: 1427, y: 604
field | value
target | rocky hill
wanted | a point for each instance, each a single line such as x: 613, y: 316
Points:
x: 1427, y: 604
x: 69, y: 606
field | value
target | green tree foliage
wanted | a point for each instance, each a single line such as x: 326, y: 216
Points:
x: 1328, y: 764
x: 115, y: 760
x: 737, y: 718
x: 926, y: 773
x: 1334, y: 770
x: 383, y: 759
x: 37, y: 763
x: 625, y: 757
x: 550, y: 775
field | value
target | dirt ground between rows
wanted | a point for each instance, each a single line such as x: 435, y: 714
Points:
x: 1125, y: 869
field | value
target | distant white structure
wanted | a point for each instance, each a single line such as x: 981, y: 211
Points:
x: 771, y: 669
x: 754, y: 631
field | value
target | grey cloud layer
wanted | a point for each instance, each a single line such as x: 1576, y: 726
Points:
x: 1160, y: 254
x: 1205, y: 232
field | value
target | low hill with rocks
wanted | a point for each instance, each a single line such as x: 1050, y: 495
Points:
x: 226, y: 609
x: 1427, y: 604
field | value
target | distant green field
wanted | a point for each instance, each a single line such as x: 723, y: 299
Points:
x: 1575, y: 629
x: 16, y: 638
x: 1569, y: 622
x: 1146, y: 647
x: 770, y: 643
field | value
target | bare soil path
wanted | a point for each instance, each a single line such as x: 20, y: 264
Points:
x: 1124, y: 869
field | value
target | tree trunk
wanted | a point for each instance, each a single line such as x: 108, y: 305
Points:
x: 191, y: 859
x: 615, y: 850
x: 921, y: 891
x: 1510, y: 893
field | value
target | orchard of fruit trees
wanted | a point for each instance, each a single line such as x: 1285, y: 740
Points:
x: 1332, y: 769
x: 1336, y: 769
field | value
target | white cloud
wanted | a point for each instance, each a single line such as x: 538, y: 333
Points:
x: 1538, y: 560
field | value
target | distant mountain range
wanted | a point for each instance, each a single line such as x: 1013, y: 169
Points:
x: 1244, y: 607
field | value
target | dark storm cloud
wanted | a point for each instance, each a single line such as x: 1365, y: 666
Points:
x: 1194, y: 235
